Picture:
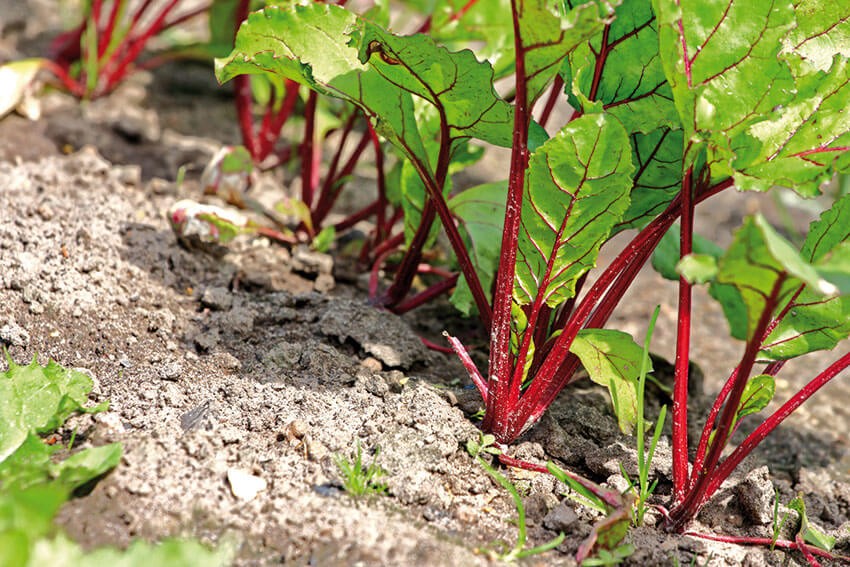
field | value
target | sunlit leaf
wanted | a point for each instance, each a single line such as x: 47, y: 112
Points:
x: 577, y: 189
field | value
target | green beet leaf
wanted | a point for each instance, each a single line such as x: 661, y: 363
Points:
x: 577, y: 188
x: 757, y: 395
x: 488, y: 23
x: 758, y: 261
x: 803, y: 142
x: 550, y: 31
x: 480, y: 212
x: 311, y: 45
x: 810, y: 533
x: 721, y: 59
x: 457, y: 84
x: 697, y: 268
x: 658, y: 175
x: 814, y: 322
x: 822, y: 30
x: 632, y: 85
x: 612, y: 359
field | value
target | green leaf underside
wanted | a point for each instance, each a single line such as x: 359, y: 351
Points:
x: 632, y: 85
x: 456, y: 83
x: 612, y: 359
x: 480, y: 212
x: 577, y: 188
x: 754, y: 264
x: 697, y: 268
x: 814, y: 322
x: 757, y: 395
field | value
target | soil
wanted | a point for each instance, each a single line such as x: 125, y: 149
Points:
x: 235, y: 382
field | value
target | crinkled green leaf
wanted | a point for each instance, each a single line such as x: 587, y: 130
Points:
x: 810, y: 533
x: 37, y: 399
x: 26, y: 516
x: 612, y: 359
x: 803, y: 142
x: 480, y: 212
x: 697, y: 268
x: 814, y: 322
x: 550, y: 31
x: 577, y: 188
x: 763, y: 85
x: 28, y: 465
x: 760, y: 259
x: 822, y: 30
x: 86, y: 465
x: 721, y: 59
x: 632, y: 85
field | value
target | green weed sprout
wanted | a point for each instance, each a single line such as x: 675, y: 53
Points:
x: 357, y: 480
x: 643, y: 489
x: 485, y: 445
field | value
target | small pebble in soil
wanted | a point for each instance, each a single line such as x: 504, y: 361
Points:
x: 244, y: 485
x: 295, y: 430
x: 560, y: 518
x: 171, y: 371
x: 217, y: 298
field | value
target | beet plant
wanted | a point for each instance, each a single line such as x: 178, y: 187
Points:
x: 674, y: 102
x: 94, y: 57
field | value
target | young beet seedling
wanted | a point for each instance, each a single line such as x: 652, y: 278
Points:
x: 93, y: 58
x: 668, y: 113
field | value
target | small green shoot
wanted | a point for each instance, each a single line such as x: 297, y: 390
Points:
x: 612, y: 557
x: 485, y: 444
x: 778, y: 522
x: 357, y: 480
x: 643, y: 489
